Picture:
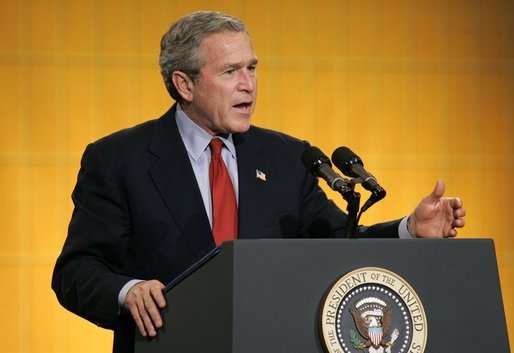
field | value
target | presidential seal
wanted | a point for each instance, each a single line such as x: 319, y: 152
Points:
x: 373, y: 310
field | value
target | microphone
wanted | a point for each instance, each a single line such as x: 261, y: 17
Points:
x: 351, y: 165
x: 319, y: 165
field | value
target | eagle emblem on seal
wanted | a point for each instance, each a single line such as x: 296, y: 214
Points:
x: 373, y: 318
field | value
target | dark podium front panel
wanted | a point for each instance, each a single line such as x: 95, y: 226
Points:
x: 260, y: 296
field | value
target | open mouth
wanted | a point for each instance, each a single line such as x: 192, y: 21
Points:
x: 245, y: 105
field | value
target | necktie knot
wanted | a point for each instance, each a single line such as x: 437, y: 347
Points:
x: 216, y: 145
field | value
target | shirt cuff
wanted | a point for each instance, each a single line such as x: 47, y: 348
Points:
x: 124, y: 290
x: 403, y: 232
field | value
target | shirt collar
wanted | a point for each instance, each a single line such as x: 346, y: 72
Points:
x: 197, y: 139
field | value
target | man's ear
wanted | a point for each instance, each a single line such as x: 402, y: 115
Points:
x: 183, y: 84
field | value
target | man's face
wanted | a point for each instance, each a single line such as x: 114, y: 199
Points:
x: 224, y: 96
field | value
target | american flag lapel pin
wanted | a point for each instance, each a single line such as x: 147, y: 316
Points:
x: 260, y: 175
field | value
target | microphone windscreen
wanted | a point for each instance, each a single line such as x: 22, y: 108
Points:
x: 313, y: 157
x: 344, y: 158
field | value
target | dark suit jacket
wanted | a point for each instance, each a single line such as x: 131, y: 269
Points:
x: 139, y: 213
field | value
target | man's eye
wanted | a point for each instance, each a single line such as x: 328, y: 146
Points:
x: 251, y: 68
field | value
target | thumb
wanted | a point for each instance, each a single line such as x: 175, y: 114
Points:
x: 438, y: 191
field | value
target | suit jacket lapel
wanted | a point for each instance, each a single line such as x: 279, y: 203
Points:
x: 252, y: 190
x: 173, y: 176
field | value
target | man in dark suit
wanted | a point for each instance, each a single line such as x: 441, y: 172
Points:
x: 143, y: 207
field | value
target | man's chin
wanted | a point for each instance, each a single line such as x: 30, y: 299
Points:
x: 240, y: 127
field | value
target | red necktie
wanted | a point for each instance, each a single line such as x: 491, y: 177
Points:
x: 224, y: 206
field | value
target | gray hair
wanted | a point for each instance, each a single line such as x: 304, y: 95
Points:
x: 180, y: 44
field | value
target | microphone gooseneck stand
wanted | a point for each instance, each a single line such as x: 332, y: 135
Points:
x: 353, y: 199
x: 353, y: 207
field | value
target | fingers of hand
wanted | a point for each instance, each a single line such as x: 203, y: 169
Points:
x: 140, y: 324
x: 143, y: 301
x: 458, y: 214
x: 150, y: 315
x: 458, y: 223
x: 455, y: 203
x: 451, y: 233
x: 157, y: 295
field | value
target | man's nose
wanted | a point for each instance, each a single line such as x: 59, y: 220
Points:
x: 247, y: 81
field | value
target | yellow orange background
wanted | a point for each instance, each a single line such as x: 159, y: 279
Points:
x: 419, y: 89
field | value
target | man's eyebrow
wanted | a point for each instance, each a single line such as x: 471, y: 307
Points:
x: 239, y: 65
x: 232, y: 66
